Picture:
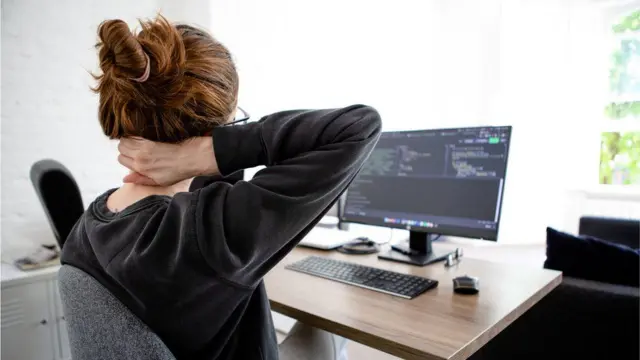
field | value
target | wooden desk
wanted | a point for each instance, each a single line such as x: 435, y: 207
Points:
x: 435, y: 325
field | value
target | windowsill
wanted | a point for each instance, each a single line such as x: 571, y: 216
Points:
x: 612, y: 192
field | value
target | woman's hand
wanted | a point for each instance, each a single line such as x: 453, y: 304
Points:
x: 164, y: 164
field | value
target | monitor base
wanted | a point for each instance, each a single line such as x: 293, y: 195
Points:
x: 415, y: 258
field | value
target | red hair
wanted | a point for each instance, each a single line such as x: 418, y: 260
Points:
x: 191, y: 87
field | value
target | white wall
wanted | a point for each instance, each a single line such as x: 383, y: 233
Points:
x: 332, y: 53
x: 48, y: 110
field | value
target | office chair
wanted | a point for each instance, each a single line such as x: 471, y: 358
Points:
x: 59, y: 195
x: 100, y: 326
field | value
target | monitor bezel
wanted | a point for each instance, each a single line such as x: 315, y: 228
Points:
x: 457, y: 232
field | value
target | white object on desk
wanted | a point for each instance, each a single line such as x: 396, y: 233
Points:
x: 326, y: 239
x: 33, y: 325
x: 329, y: 222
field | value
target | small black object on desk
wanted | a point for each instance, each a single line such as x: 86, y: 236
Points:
x: 359, y: 246
x: 466, y: 285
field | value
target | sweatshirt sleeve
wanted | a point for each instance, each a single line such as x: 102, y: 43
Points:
x: 244, y: 229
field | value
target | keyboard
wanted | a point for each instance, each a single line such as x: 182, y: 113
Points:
x: 388, y: 282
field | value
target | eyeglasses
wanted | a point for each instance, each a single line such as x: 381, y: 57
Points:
x: 241, y: 117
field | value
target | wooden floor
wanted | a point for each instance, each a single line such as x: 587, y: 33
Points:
x: 357, y: 351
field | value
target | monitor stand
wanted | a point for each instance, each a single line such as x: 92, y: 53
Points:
x: 416, y: 251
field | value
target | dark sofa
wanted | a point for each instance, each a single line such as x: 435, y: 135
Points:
x: 580, y: 319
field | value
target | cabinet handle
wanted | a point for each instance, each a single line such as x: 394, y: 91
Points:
x: 43, y: 322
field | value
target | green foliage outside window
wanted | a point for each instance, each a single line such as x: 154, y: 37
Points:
x: 620, y: 158
x: 622, y: 81
x: 630, y: 22
x: 623, y: 110
x: 620, y: 151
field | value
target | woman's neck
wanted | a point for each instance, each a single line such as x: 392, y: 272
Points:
x: 129, y: 194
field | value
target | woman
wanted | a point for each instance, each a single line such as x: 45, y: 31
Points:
x: 190, y: 264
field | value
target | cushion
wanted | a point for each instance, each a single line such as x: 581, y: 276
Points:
x: 591, y: 258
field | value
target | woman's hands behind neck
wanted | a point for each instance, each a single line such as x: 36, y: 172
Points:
x: 162, y: 164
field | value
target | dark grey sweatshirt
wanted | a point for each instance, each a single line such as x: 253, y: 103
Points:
x: 191, y: 266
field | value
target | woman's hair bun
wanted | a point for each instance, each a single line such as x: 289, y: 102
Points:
x: 121, y: 54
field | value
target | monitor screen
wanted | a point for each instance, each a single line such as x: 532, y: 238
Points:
x: 447, y: 181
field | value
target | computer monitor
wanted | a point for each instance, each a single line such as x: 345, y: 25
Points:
x: 432, y: 182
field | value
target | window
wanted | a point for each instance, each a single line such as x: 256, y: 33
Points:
x: 620, y: 138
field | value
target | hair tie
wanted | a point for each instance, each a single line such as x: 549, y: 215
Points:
x: 147, y: 71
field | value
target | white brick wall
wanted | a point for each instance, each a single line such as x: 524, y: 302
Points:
x: 48, y: 110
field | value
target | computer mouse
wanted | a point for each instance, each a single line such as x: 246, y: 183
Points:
x: 466, y: 285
